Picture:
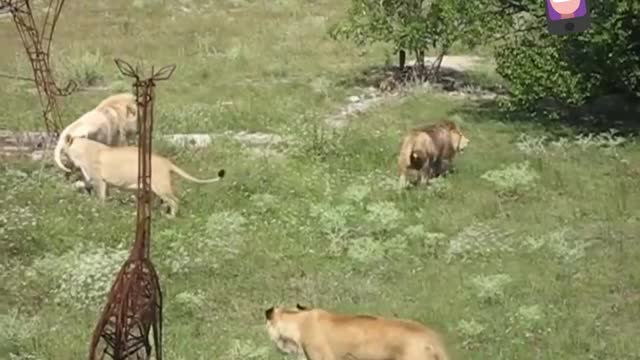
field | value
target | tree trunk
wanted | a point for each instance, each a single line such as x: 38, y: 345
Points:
x: 402, y: 58
x: 419, y: 69
x: 420, y: 57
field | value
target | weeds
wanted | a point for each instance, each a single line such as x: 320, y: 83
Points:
x: 490, y: 289
x: 80, y: 278
x: 85, y: 69
x: 512, y: 179
x: 478, y: 240
x: 323, y: 225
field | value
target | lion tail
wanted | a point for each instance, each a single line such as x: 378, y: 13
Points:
x: 184, y: 174
x: 57, y: 152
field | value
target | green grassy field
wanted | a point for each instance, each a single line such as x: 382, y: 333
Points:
x: 527, y: 251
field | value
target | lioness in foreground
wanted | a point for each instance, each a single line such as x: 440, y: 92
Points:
x: 429, y: 150
x: 112, y: 122
x: 323, y: 335
x: 118, y: 166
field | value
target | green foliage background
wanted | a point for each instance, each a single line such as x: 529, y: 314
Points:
x: 571, y: 69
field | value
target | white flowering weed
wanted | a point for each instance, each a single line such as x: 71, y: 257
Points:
x: 383, y: 215
x: 535, y: 145
x: 490, y: 288
x: 81, y: 277
x: 471, y: 332
x: 478, y: 240
x: 563, y: 243
x: 531, y: 145
x: 356, y: 192
x: 513, y: 177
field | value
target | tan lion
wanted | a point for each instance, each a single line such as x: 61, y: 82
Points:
x: 429, y: 150
x: 112, y: 122
x: 118, y: 166
x: 319, y: 334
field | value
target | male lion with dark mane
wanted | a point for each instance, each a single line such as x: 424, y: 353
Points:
x: 429, y: 151
x: 319, y: 334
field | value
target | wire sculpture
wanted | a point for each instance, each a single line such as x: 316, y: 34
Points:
x: 134, y: 304
x: 37, y: 44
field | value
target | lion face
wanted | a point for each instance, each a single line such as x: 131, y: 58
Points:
x: 282, y: 326
x: 460, y: 141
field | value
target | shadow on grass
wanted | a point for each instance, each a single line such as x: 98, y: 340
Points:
x: 390, y: 77
x: 618, y: 112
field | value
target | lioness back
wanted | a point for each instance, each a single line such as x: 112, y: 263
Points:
x: 120, y: 166
x: 378, y: 337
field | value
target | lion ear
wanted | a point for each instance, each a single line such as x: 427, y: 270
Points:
x: 132, y: 110
x: 300, y: 307
x: 68, y: 139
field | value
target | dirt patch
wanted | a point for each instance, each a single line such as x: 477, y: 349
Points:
x: 358, y: 104
x: 203, y: 140
x: 455, y: 62
x: 38, y: 144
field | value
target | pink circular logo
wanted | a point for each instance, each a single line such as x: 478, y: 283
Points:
x: 565, y: 7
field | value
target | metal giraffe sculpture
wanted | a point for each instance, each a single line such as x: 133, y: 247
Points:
x: 134, y: 304
x: 37, y: 44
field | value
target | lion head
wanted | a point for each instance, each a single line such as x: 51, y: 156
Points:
x: 283, y: 326
x: 460, y: 142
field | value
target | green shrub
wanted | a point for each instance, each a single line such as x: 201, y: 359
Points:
x: 572, y: 69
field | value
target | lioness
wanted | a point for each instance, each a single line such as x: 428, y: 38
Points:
x: 429, y: 150
x: 112, y: 122
x: 323, y: 335
x: 118, y: 166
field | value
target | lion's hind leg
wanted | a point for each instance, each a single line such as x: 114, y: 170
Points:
x: 426, y: 171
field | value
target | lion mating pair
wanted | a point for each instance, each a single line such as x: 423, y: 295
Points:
x: 97, y: 144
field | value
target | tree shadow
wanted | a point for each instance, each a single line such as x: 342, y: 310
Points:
x: 392, y: 77
x: 619, y: 112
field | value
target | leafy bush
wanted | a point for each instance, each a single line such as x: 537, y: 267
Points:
x: 85, y: 69
x: 410, y: 25
x: 570, y: 69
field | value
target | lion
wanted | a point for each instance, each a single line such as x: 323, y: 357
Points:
x: 125, y: 105
x: 319, y: 334
x: 430, y: 150
x: 118, y: 166
x: 112, y: 122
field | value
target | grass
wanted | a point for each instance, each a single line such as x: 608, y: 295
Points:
x: 527, y: 251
